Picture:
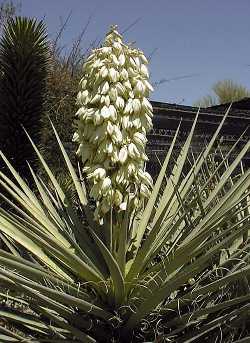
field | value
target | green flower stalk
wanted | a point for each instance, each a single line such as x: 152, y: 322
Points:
x: 112, y: 122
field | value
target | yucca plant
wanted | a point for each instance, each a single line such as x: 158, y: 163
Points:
x: 150, y: 270
x: 24, y: 63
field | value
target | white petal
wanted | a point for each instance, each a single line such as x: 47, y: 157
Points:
x: 105, y: 88
x: 138, y: 136
x: 107, y: 100
x: 123, y: 206
x: 121, y: 89
x: 136, y: 106
x: 131, y: 168
x: 105, y: 112
x: 75, y: 137
x: 147, y: 105
x: 146, y: 177
x: 133, y: 152
x: 110, y: 128
x: 99, y: 173
x: 148, y: 85
x: 121, y: 59
x: 95, y: 99
x: 137, y: 123
x: 112, y: 75
x: 125, y: 122
x: 124, y: 74
x: 119, y: 103
x: 144, y: 191
x: 129, y: 107
x: 109, y: 148
x: 102, y: 100
x: 115, y: 60
x: 117, y: 46
x: 97, y: 118
x: 123, y: 155
x: 116, y: 135
x: 137, y: 61
x: 103, y: 72
x: 97, y: 63
x: 144, y: 70
x: 106, y: 184
x: 144, y: 59
x: 140, y: 88
x: 106, y: 49
x: 83, y: 83
x: 113, y: 113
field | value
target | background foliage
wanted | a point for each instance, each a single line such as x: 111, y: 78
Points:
x: 62, y: 87
x: 225, y: 91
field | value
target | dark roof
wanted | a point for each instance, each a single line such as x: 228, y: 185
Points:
x: 168, y: 116
x: 241, y: 105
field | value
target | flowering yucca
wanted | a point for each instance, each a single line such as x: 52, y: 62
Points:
x: 178, y: 273
x: 112, y: 122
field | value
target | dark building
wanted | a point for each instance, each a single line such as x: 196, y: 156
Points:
x: 168, y: 116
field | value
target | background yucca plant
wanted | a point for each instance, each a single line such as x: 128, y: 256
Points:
x: 181, y: 274
x: 24, y: 64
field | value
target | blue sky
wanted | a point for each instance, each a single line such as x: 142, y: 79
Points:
x: 206, y: 40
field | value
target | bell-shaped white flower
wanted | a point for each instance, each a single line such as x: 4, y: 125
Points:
x: 119, y: 103
x: 95, y: 99
x: 104, y: 88
x: 133, y: 152
x: 124, y: 74
x: 123, y: 206
x: 106, y: 184
x: 104, y: 72
x: 139, y: 88
x: 116, y: 134
x: 123, y: 155
x: 113, y: 75
x: 121, y: 59
x: 105, y: 113
x: 144, y: 71
x: 136, y: 106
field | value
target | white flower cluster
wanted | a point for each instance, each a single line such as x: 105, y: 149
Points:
x: 112, y: 122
